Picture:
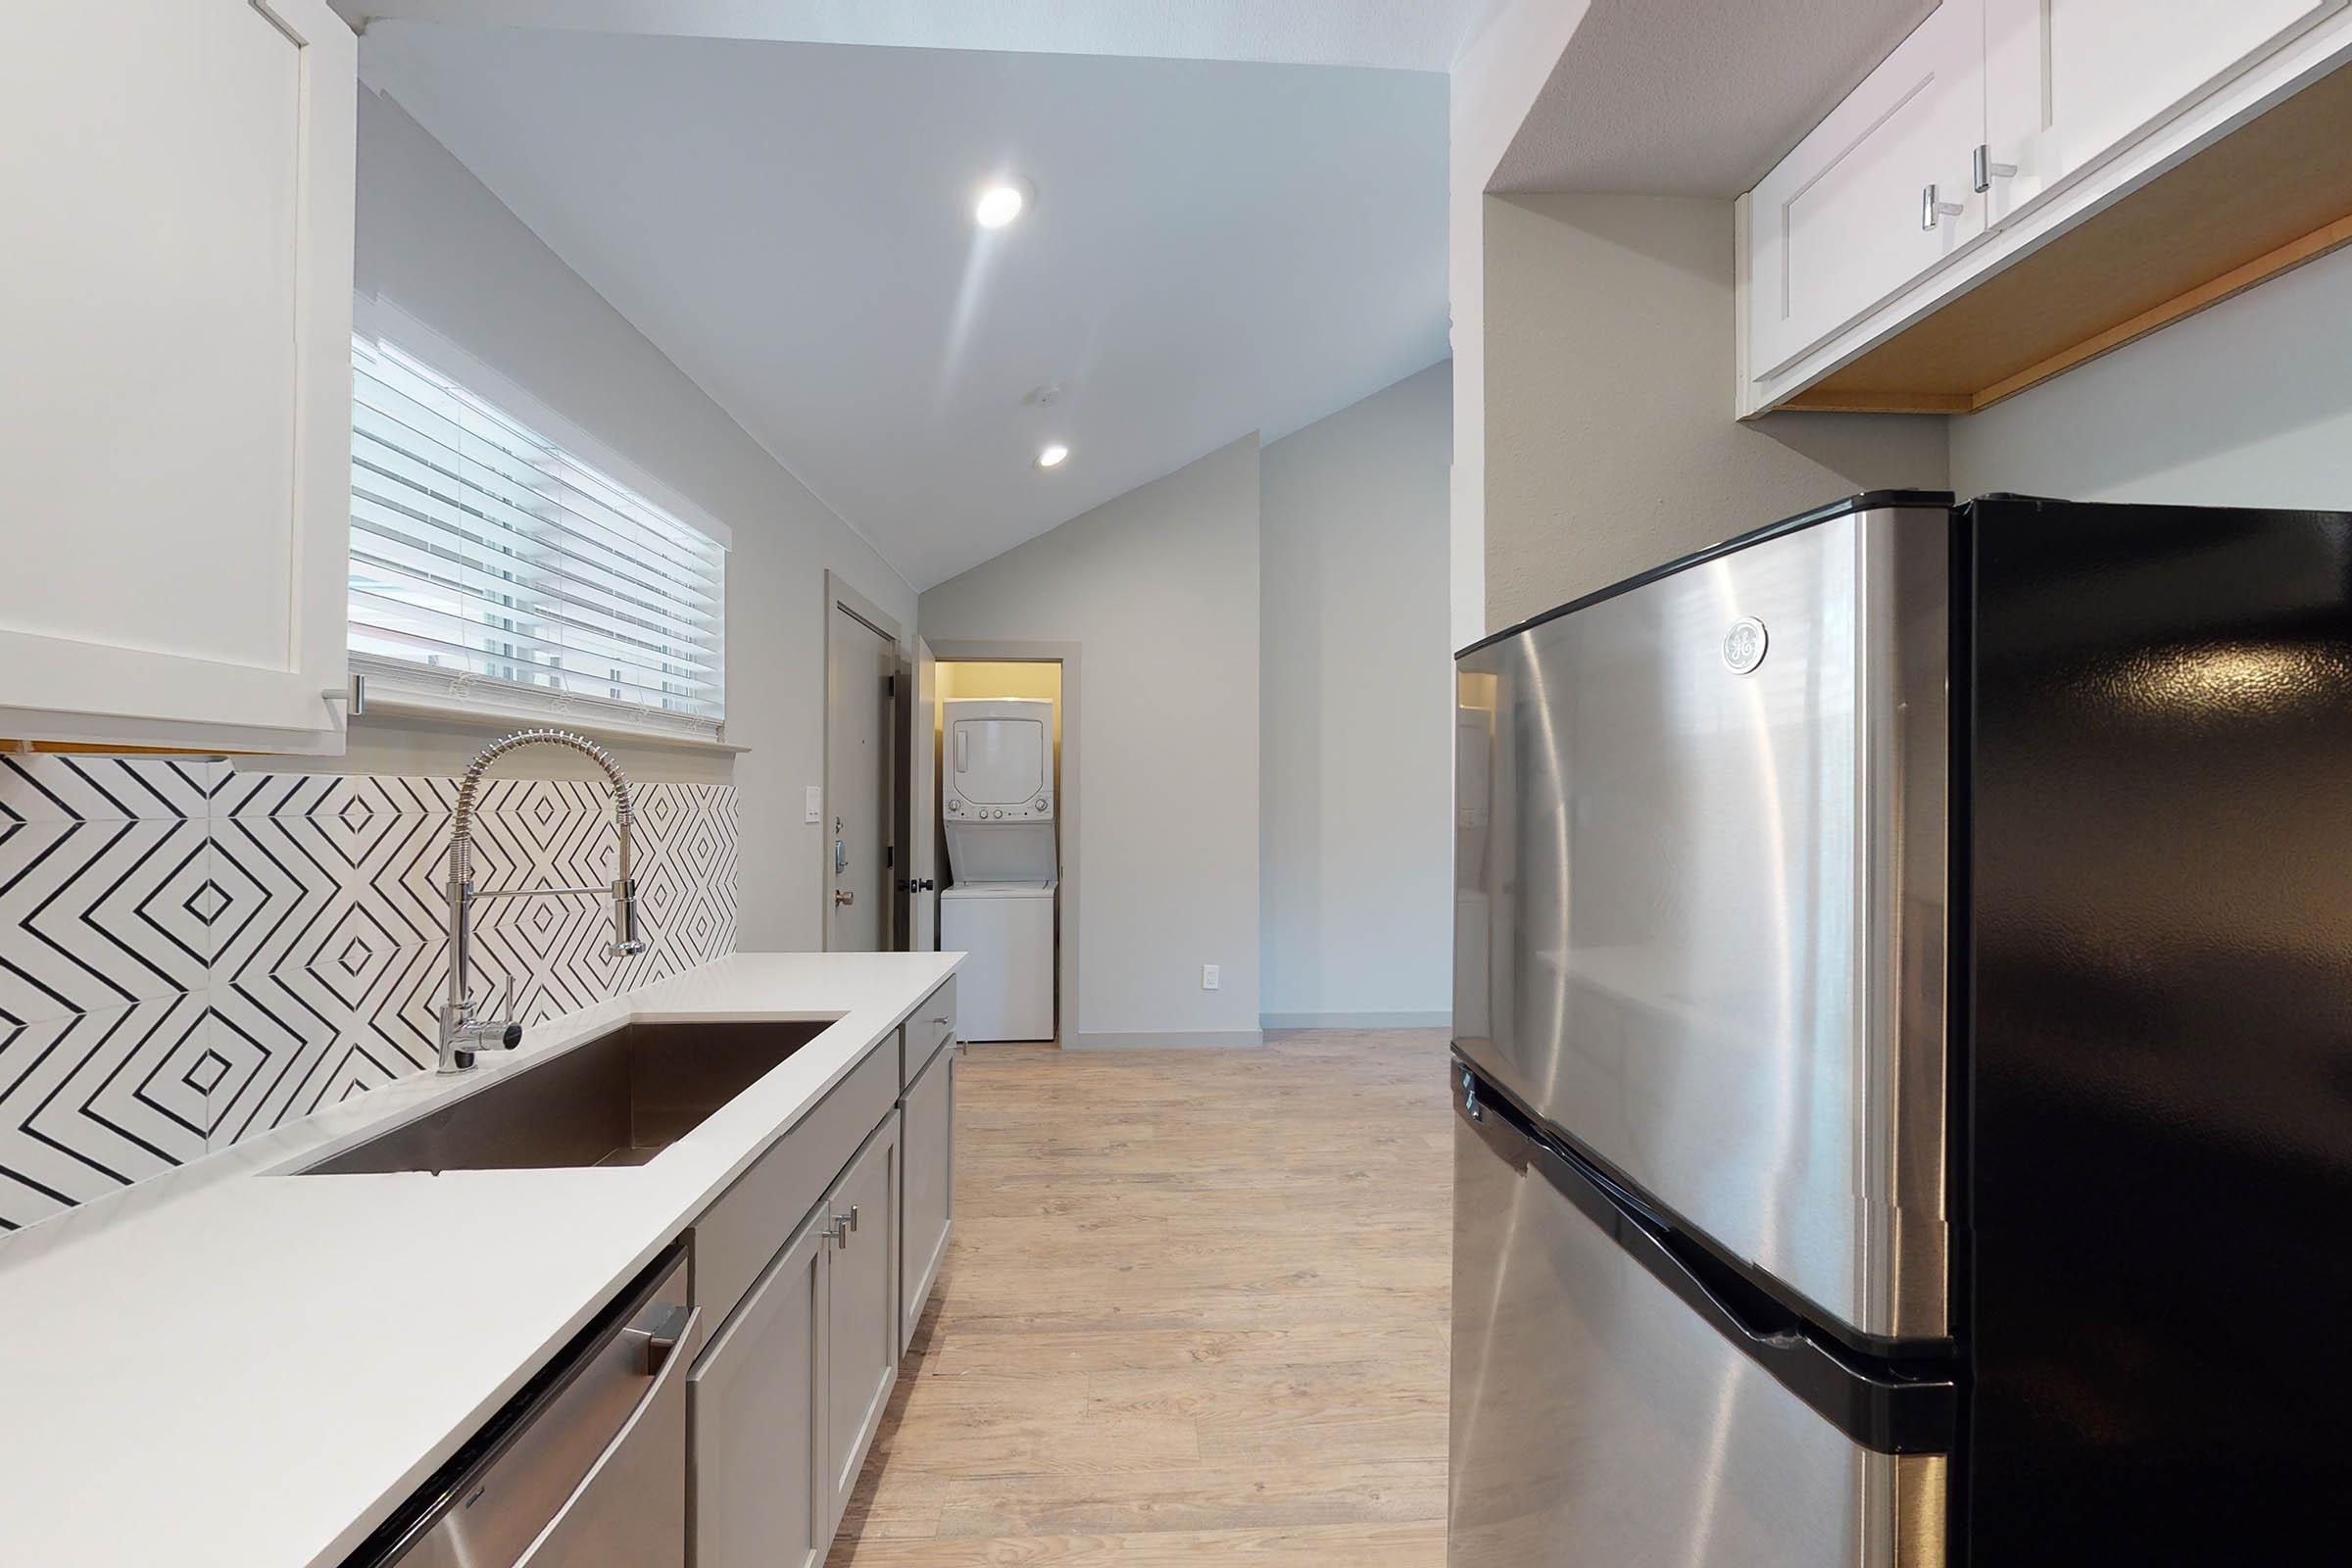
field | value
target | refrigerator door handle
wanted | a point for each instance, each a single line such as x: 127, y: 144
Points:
x: 1891, y: 1407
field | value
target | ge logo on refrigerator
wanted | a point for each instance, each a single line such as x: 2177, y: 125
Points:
x: 1743, y: 645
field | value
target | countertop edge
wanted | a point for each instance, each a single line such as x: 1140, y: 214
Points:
x: 336, y: 1553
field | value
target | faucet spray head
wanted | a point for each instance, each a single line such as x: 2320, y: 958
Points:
x: 626, y: 943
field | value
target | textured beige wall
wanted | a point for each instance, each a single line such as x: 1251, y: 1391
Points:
x: 1160, y: 589
x: 1356, y: 723
x: 1610, y: 445
x: 2246, y: 405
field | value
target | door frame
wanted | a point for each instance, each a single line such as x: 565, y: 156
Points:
x: 839, y: 595
x: 1024, y: 651
x: 915, y: 712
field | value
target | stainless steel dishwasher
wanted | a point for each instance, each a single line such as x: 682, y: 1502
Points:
x: 584, y: 1468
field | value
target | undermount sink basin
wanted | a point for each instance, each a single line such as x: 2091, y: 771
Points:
x: 618, y: 1099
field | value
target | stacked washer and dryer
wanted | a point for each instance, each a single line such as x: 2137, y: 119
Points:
x: 996, y: 802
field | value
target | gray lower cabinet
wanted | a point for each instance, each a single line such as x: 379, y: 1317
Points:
x: 756, y: 1408
x: 927, y: 1125
x: 862, y: 1348
x: 786, y: 1398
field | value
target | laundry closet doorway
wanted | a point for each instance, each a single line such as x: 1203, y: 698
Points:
x: 1022, y: 982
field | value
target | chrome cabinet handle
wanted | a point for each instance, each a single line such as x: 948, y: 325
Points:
x: 1985, y: 171
x: 1933, y: 211
x: 833, y: 1233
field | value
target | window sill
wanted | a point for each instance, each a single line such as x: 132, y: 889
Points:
x: 396, y: 691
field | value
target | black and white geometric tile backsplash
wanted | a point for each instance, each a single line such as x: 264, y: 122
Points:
x: 191, y: 954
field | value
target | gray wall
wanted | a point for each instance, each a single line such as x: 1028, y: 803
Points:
x: 1610, y: 445
x: 433, y: 240
x: 2247, y: 404
x: 1357, y: 713
x: 1160, y: 590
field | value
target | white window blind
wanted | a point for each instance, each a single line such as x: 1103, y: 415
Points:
x: 483, y: 551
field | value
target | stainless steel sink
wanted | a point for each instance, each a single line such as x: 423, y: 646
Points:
x: 618, y: 1099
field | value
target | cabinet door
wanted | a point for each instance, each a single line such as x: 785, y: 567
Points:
x: 862, y: 1345
x: 176, y: 385
x: 1857, y: 211
x: 2070, y: 81
x: 756, y: 1484
x: 928, y: 1129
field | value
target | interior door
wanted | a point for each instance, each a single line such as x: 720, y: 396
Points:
x: 862, y: 1349
x: 757, y: 1407
x: 858, y: 663
x: 921, y: 838
x: 2069, y: 81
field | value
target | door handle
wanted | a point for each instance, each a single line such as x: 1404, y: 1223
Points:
x: 843, y: 896
x: 841, y: 854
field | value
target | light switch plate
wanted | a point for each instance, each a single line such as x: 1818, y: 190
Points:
x: 1210, y: 978
x: 815, y: 810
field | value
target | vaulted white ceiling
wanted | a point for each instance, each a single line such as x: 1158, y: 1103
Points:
x: 1400, y: 34
x: 1215, y: 247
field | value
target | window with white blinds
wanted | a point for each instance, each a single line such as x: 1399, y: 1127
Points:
x: 486, y: 554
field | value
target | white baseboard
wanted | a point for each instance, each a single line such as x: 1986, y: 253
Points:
x: 1191, y: 1040
x: 1356, y: 1020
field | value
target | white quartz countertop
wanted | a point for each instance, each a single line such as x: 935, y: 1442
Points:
x: 232, y: 1366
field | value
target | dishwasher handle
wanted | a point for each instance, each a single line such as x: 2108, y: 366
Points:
x: 629, y: 1511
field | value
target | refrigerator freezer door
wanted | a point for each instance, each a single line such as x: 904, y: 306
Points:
x: 1703, y: 896
x: 1599, y: 1422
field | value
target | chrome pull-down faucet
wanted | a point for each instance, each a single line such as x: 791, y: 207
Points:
x: 461, y: 1033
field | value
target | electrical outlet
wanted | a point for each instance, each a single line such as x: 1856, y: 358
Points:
x: 812, y: 809
x: 1210, y: 978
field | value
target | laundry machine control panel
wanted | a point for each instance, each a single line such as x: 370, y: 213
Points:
x: 961, y: 810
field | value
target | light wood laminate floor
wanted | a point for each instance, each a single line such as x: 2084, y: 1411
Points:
x: 1194, y: 1311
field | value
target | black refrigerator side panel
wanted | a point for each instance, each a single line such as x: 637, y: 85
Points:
x: 2161, y: 1064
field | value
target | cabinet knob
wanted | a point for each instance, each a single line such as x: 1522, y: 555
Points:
x: 1932, y: 211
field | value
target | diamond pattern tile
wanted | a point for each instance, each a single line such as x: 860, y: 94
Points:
x: 191, y: 954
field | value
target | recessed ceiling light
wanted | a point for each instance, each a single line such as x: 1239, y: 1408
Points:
x: 1052, y: 456
x: 1001, y: 202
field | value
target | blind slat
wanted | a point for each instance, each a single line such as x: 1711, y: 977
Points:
x: 479, y: 546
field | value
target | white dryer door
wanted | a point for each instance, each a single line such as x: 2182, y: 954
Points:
x: 998, y: 761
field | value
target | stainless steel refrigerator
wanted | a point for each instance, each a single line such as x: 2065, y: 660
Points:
x: 1903, y: 1048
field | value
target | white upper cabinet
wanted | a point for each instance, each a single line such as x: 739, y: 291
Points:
x: 1994, y: 127
x: 1878, y: 195
x: 2070, y: 81
x: 176, y: 193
